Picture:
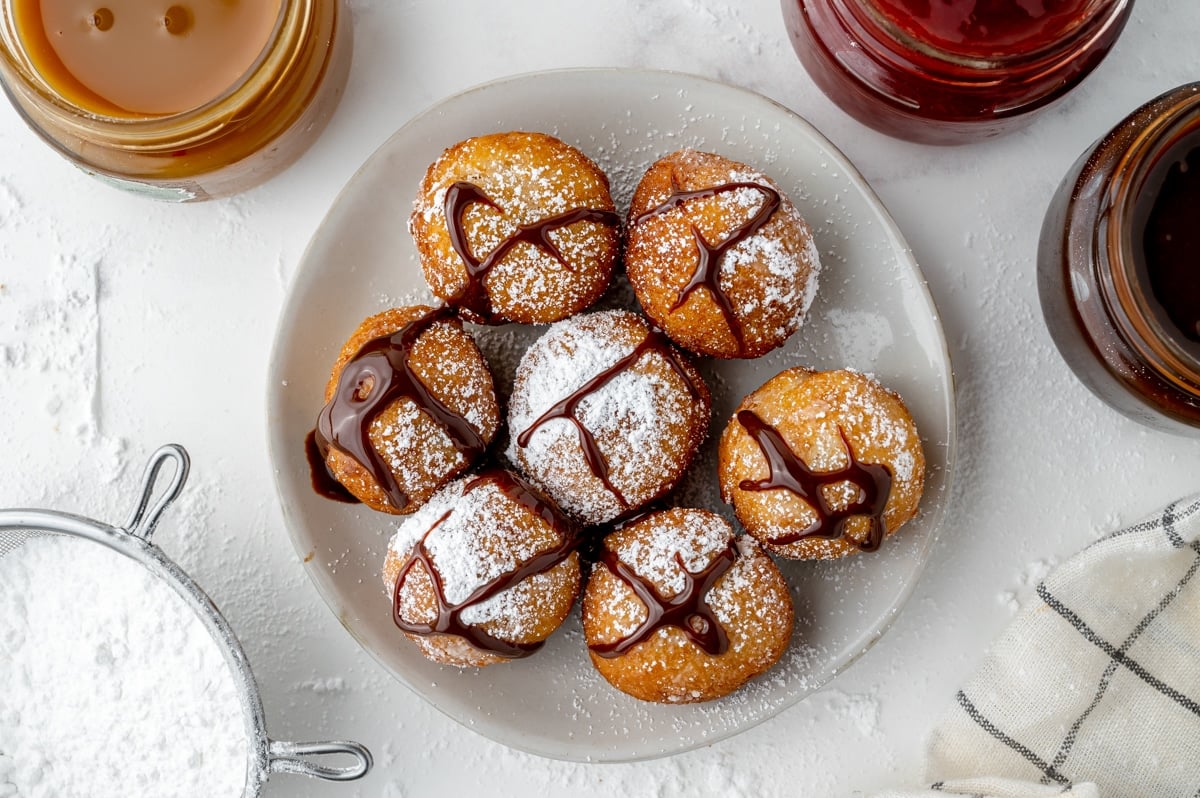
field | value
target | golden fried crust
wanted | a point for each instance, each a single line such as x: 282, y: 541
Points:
x: 534, y: 608
x: 530, y: 177
x: 769, y: 278
x: 808, y: 408
x: 751, y: 601
x: 422, y: 457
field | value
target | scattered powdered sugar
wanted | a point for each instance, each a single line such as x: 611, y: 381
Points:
x: 331, y: 684
x: 860, y: 710
x: 722, y: 770
x: 860, y: 336
x: 112, y: 685
x: 1027, y: 581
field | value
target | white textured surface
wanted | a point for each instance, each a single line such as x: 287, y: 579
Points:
x: 125, y: 324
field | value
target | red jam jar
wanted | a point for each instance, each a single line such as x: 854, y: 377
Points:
x: 950, y: 71
x: 1119, y: 265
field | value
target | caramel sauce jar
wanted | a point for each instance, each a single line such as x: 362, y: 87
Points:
x: 953, y: 71
x: 1119, y: 269
x: 262, y: 122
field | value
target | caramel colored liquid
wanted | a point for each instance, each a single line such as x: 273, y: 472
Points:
x: 144, y: 57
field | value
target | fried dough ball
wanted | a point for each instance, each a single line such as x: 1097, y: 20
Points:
x: 516, y: 227
x: 718, y: 256
x: 820, y: 465
x: 605, y: 414
x: 414, y: 382
x: 677, y: 611
x: 469, y: 591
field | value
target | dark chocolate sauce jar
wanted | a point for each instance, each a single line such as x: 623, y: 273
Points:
x: 1119, y: 265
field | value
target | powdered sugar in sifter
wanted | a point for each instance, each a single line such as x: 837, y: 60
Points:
x: 133, y: 540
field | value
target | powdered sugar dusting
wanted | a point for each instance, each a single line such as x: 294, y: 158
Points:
x: 865, y: 405
x: 652, y: 553
x: 474, y: 538
x: 766, y: 279
x: 827, y: 420
x: 413, y: 448
x: 525, y: 178
x: 672, y: 550
x: 113, y: 684
x: 790, y: 283
x: 466, y: 546
x: 636, y: 418
x: 509, y: 609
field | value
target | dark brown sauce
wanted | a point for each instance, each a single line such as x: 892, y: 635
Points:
x: 376, y: 376
x: 449, y: 616
x: 687, y: 610
x: 460, y: 196
x: 1170, y: 239
x: 707, y: 274
x: 323, y: 482
x: 787, y: 471
x: 565, y: 408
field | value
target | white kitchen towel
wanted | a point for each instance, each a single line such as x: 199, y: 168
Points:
x: 1094, y: 689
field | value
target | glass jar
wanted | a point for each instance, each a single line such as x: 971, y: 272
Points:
x: 247, y: 133
x: 949, y: 71
x: 1118, y: 274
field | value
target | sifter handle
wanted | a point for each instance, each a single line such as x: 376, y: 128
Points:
x: 287, y: 757
x: 143, y: 521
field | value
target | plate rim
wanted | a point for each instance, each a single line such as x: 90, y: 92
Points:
x: 902, y: 251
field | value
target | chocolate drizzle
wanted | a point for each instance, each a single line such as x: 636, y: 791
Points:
x: 787, y: 471
x: 687, y: 610
x: 449, y: 616
x: 707, y: 274
x: 377, y: 375
x: 566, y: 407
x: 323, y: 483
x: 460, y: 196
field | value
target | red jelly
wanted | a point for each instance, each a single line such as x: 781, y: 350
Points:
x: 950, y: 71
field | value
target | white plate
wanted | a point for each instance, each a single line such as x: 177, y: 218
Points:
x: 873, y: 313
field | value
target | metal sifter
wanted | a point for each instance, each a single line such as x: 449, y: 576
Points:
x: 266, y: 756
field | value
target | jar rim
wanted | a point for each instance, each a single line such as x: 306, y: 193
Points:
x: 1156, y: 128
x: 151, y: 131
x: 1101, y: 15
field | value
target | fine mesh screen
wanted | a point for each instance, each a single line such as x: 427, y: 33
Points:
x: 11, y: 540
